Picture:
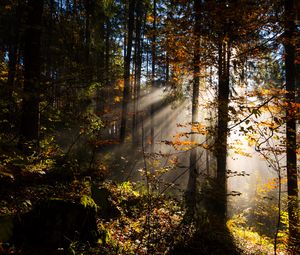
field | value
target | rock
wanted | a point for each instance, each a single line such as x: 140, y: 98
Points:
x: 6, y: 228
x: 55, y: 224
x: 102, y: 197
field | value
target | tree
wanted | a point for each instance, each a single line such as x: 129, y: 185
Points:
x: 138, y: 52
x: 224, y: 51
x: 291, y: 143
x: 127, y: 61
x: 29, y: 131
x: 153, y: 73
x: 193, y: 173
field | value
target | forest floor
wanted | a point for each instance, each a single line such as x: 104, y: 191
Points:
x: 146, y: 224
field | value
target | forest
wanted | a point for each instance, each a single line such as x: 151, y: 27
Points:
x: 150, y: 127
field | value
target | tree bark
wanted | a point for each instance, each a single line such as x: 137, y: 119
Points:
x: 127, y: 61
x: 29, y: 131
x: 102, y: 62
x: 291, y: 144
x: 222, y: 129
x: 138, y: 71
x: 153, y: 53
x: 13, y: 57
x: 194, y: 173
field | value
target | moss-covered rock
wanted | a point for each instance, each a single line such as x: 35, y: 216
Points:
x: 56, y: 223
x: 102, y: 197
x: 7, y: 223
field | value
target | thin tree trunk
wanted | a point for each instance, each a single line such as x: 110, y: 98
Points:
x: 29, y: 131
x: 153, y: 52
x: 291, y: 144
x: 193, y: 173
x: 87, y: 33
x: 138, y: 71
x: 12, y: 64
x: 107, y: 53
x: 127, y: 60
x: 13, y: 58
x: 102, y: 62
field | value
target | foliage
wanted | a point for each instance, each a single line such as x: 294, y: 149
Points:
x: 248, y: 240
x: 255, y: 227
x: 87, y: 201
x: 138, y: 230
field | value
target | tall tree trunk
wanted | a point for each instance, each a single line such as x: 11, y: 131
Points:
x: 88, y: 14
x: 102, y: 63
x: 12, y: 64
x: 167, y: 69
x: 13, y: 57
x: 291, y: 144
x: 222, y: 128
x: 107, y: 54
x: 153, y: 52
x: 193, y: 173
x: 127, y: 60
x: 29, y: 131
x: 138, y: 71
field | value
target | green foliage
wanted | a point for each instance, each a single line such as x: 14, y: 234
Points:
x: 255, y: 227
x: 263, y: 215
x: 87, y: 201
x: 127, y: 189
x: 247, y: 239
x: 138, y: 229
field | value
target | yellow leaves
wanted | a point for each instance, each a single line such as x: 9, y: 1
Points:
x: 117, y: 99
x: 3, y: 72
x: 173, y: 161
x: 150, y: 18
x: 182, y: 140
x: 8, y: 7
x: 199, y: 128
x: 271, y: 184
x: 239, y: 147
x: 180, y: 53
x: 268, y: 92
x: 119, y: 85
x: 205, y: 146
x: 270, y: 124
x: 183, y: 145
x: 251, y: 141
x: 241, y: 152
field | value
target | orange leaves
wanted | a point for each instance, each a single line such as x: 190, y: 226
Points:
x: 99, y: 143
x: 199, y: 128
x: 150, y: 18
x: 179, y: 144
x: 251, y: 141
x: 118, y: 99
x: 270, y: 124
x: 8, y: 7
x: 119, y: 85
x: 268, y: 92
x: 182, y: 140
x: 297, y: 59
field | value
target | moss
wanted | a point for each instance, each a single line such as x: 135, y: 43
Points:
x: 87, y: 201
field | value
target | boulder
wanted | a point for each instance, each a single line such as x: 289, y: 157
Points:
x: 102, y: 197
x: 55, y: 224
x: 7, y: 223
